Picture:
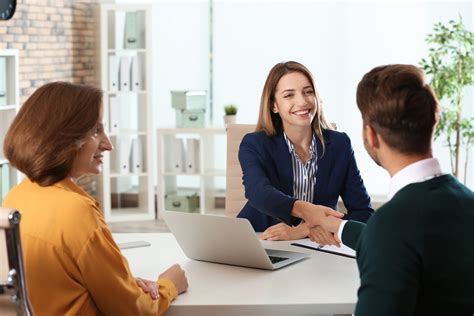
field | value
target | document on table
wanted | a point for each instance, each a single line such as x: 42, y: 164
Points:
x: 341, y: 251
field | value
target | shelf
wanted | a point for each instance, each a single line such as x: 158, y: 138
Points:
x: 3, y: 161
x: 203, y: 131
x: 8, y: 107
x: 208, y: 182
x: 124, y: 194
x: 125, y: 92
x: 209, y: 173
x: 128, y: 132
x: 127, y: 50
x: 130, y: 174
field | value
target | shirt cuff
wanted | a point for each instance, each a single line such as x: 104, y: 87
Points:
x: 341, y: 228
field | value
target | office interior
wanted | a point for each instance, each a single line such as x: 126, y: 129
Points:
x: 223, y: 48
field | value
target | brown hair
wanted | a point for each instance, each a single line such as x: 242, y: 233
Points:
x: 399, y: 104
x: 270, y: 122
x: 44, y: 138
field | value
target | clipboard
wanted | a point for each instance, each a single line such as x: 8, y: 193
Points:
x: 343, y: 251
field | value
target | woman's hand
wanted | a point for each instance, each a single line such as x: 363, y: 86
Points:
x: 323, y: 237
x: 150, y: 287
x: 177, y: 276
x: 282, y: 231
x: 313, y: 214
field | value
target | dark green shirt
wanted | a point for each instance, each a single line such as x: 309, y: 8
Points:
x: 416, y: 253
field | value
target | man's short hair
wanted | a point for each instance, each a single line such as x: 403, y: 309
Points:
x: 400, y: 105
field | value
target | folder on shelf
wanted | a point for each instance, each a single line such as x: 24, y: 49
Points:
x: 192, y: 155
x: 131, y: 30
x: 137, y: 155
x: 5, y: 180
x: 136, y: 74
x: 114, y: 112
x: 3, y: 81
x: 178, y: 154
x: 119, y: 29
x: 113, y: 74
x: 124, y: 145
x: 124, y: 73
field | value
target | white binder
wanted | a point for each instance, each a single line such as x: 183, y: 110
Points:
x: 113, y: 73
x: 136, y: 73
x: 119, y: 29
x: 124, y: 73
x: 125, y: 145
x: 137, y: 155
x: 192, y: 155
x: 5, y: 180
x: 114, y: 111
x: 178, y: 155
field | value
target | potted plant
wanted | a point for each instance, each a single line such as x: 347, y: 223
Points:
x: 450, y: 64
x: 230, y: 111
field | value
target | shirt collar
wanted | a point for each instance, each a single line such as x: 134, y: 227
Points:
x: 416, y: 172
x: 291, y: 147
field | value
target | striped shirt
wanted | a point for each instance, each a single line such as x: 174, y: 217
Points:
x: 304, y: 174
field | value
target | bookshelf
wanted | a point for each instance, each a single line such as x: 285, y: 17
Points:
x: 178, y: 183
x: 125, y: 189
x: 9, y: 106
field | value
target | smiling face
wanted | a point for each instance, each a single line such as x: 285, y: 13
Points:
x: 295, y: 101
x: 89, y: 158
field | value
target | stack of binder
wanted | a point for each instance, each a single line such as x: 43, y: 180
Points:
x: 125, y: 73
x: 185, y: 158
x: 190, y: 108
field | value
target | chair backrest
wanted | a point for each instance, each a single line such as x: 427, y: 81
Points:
x: 13, y: 292
x: 235, y: 193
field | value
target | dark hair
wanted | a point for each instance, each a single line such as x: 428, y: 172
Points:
x: 399, y: 104
x: 45, y: 136
x: 270, y: 122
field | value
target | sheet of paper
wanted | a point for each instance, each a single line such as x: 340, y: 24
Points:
x: 342, y: 250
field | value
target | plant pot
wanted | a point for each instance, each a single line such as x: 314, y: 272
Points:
x: 229, y: 119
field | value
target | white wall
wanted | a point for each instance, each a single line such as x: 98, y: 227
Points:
x: 337, y: 41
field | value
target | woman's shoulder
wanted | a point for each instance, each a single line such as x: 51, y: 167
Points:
x: 256, y: 136
x: 336, y: 137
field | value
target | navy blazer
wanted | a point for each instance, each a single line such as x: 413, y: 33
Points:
x: 268, y: 179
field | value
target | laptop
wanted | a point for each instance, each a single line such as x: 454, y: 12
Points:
x: 225, y: 240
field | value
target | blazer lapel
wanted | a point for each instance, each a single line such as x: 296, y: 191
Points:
x: 324, y: 166
x: 283, y: 162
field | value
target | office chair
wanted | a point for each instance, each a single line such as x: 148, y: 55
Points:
x: 13, y: 292
x: 235, y: 192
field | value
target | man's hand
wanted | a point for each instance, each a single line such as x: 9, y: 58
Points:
x: 331, y: 224
x: 282, y: 231
x: 312, y: 213
x: 177, y: 276
x: 323, y: 237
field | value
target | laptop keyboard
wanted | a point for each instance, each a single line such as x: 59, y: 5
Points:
x: 275, y: 259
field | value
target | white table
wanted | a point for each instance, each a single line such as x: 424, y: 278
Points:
x: 322, y: 284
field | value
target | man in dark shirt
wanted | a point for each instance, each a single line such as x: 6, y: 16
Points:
x: 416, y: 253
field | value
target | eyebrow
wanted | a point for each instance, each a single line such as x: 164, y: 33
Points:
x: 292, y: 90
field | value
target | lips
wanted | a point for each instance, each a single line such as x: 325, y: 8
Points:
x: 301, y: 112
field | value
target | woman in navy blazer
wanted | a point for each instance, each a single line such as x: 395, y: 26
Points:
x: 294, y: 146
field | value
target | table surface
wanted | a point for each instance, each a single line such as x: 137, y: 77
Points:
x: 321, y: 284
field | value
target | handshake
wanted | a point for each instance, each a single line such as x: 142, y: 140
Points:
x: 321, y: 225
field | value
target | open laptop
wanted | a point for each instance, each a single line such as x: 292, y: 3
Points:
x: 225, y: 240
